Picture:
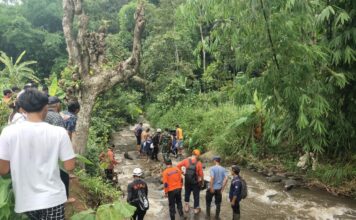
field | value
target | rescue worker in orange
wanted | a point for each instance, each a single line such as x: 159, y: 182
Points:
x: 109, y: 158
x: 173, y: 182
x: 194, y: 179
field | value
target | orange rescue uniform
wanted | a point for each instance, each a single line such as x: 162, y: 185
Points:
x: 199, y: 167
x: 172, y: 179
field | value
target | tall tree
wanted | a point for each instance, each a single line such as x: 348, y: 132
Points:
x: 86, y: 54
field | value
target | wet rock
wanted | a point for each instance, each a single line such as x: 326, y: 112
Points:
x: 289, y: 184
x: 207, y: 157
x: 147, y: 174
x: 270, y: 173
x: 275, y: 179
x: 127, y: 156
x: 132, y: 154
x: 272, y: 195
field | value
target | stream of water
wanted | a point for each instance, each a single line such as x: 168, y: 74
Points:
x: 265, y: 201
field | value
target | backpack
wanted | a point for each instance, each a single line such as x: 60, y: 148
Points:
x: 138, y: 131
x: 244, y: 191
x: 143, y: 202
x: 166, y: 140
x: 191, y: 173
x: 155, y: 139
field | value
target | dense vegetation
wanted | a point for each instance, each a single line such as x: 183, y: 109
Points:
x: 259, y: 79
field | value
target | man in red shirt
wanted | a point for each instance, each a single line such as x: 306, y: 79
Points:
x: 194, y: 178
x: 109, y: 158
x: 173, y: 182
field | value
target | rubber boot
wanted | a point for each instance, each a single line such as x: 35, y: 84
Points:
x: 235, y: 216
x: 217, y: 213
x: 208, y: 211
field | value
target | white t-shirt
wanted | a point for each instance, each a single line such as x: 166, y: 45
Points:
x: 18, y: 118
x: 33, y: 150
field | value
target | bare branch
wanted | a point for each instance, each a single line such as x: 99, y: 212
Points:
x: 128, y: 68
x: 67, y: 22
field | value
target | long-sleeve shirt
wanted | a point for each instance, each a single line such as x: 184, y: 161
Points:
x: 235, y: 188
x: 132, y: 191
x: 172, y: 179
x: 199, y: 167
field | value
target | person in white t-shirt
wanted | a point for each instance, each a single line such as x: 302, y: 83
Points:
x: 31, y: 150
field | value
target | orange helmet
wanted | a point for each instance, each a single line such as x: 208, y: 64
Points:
x: 196, y: 152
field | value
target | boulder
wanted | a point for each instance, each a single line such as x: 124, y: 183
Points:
x: 207, y: 157
x: 290, y: 183
x: 127, y: 156
x: 275, y: 179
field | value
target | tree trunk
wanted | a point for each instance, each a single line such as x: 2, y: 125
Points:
x: 95, y: 79
x: 203, y: 46
x: 86, y: 101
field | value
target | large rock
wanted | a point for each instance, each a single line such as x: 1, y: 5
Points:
x: 275, y: 179
x: 290, y: 183
x: 207, y: 157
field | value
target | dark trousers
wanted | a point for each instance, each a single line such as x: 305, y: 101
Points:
x: 209, y: 198
x: 154, y: 153
x: 109, y: 173
x: 65, y: 179
x: 139, y: 214
x: 236, y: 211
x: 196, y: 191
x: 175, y: 197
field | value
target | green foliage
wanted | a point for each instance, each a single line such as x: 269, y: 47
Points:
x: 4, y: 114
x: 14, y: 73
x: 116, y: 211
x: 7, y: 200
x: 84, y: 215
x: 100, y: 191
x: 335, y: 174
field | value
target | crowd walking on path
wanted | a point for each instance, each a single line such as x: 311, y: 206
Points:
x: 36, y: 148
x: 188, y: 177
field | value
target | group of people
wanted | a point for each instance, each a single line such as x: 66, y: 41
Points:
x: 189, y: 173
x: 168, y: 141
x: 36, y: 149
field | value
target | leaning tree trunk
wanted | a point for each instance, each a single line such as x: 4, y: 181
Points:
x: 86, y: 55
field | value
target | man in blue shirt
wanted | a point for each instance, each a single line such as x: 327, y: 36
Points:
x: 235, y: 192
x: 70, y: 117
x: 218, y: 180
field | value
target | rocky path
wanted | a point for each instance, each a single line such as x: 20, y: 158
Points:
x: 267, y: 200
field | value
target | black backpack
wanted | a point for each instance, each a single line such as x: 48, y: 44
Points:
x: 191, y: 173
x: 244, y: 191
x: 155, y: 139
x: 143, y: 202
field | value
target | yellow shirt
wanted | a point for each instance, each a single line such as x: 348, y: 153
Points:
x: 179, y: 133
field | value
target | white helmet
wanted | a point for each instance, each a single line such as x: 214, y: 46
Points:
x: 159, y: 130
x: 137, y: 172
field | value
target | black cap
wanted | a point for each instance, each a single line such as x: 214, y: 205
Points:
x: 217, y: 158
x: 53, y: 100
x: 236, y: 169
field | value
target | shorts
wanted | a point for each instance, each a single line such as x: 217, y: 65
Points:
x: 54, y: 213
x: 179, y: 144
